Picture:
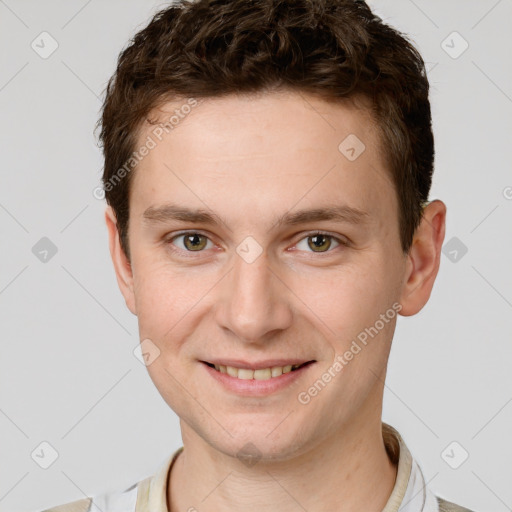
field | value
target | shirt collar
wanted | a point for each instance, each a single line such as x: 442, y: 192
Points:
x: 409, y: 494
x: 152, y: 492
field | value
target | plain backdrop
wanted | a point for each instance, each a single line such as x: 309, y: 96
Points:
x: 68, y: 373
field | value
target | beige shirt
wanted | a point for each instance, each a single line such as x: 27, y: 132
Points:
x: 410, y: 493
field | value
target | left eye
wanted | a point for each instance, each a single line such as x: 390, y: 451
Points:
x: 319, y: 242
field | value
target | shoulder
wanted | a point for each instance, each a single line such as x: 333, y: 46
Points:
x: 147, y: 494
x: 124, y: 501
x: 83, y: 505
x: 448, y: 506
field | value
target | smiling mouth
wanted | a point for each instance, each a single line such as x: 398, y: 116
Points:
x: 259, y: 374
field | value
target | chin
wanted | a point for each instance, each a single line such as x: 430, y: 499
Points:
x: 258, y: 451
x: 256, y: 445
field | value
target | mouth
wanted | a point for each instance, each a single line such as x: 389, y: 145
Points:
x: 268, y: 373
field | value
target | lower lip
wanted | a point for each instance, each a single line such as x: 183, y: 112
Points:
x: 255, y: 387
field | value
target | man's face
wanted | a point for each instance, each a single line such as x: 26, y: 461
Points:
x: 255, y: 290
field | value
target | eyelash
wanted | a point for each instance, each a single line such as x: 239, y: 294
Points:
x: 190, y: 254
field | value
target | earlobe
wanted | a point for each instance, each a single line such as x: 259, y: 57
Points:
x: 423, y: 259
x: 122, y: 266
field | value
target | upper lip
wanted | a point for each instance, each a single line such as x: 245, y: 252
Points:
x: 256, y: 365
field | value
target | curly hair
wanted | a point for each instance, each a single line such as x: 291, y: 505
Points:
x: 330, y: 48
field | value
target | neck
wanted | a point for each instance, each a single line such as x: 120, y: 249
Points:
x: 350, y: 471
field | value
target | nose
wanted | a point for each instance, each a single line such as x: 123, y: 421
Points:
x: 254, y: 303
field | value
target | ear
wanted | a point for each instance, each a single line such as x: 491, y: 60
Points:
x: 423, y: 259
x: 121, y: 263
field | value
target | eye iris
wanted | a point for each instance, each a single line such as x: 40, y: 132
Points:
x: 317, y: 244
x: 193, y: 239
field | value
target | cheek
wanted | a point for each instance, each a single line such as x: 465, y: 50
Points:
x: 347, y: 297
x: 158, y: 282
x: 162, y: 297
x: 347, y: 306
x: 171, y: 304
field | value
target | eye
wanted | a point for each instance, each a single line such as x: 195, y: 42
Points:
x: 319, y: 242
x: 191, y: 241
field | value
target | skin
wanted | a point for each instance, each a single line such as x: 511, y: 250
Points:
x: 251, y: 160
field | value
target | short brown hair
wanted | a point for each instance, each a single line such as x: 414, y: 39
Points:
x: 331, y: 48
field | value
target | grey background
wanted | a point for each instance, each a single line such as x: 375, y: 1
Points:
x: 68, y: 374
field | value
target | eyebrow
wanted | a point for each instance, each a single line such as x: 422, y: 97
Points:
x: 338, y: 213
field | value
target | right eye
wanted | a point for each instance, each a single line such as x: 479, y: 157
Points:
x: 191, y: 241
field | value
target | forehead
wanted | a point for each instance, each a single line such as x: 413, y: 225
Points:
x: 276, y: 144
x: 285, y: 111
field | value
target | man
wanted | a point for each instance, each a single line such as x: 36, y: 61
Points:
x: 267, y: 170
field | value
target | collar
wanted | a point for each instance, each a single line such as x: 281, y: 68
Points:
x: 410, y: 493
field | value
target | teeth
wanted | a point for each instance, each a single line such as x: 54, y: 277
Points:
x: 263, y: 374
x: 260, y: 374
x: 245, y: 374
x: 232, y: 372
x: 276, y: 371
